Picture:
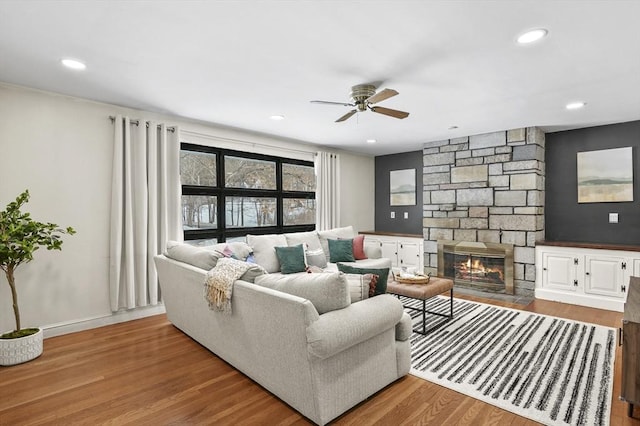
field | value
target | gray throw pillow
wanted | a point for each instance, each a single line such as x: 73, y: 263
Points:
x: 326, y: 291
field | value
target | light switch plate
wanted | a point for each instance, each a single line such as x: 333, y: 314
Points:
x: 613, y: 217
x: 393, y: 215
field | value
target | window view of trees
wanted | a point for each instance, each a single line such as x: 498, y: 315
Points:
x: 298, y: 178
x: 250, y: 211
x: 198, y: 168
x: 199, y: 211
x: 299, y: 211
x: 249, y: 173
x: 227, y: 194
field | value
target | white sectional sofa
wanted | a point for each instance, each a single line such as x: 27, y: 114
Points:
x: 320, y: 364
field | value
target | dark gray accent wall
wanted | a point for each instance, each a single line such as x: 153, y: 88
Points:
x: 565, y: 219
x: 383, y: 165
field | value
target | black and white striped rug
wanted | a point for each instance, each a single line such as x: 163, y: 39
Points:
x: 548, y: 369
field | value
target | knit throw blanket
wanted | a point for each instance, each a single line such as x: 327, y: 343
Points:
x: 218, y: 285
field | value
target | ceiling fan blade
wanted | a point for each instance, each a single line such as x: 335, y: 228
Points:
x: 390, y: 112
x: 381, y: 96
x: 347, y: 115
x: 332, y: 103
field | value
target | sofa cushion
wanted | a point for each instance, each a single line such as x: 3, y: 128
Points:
x: 382, y: 273
x: 326, y: 291
x: 358, y: 247
x: 313, y: 249
x: 264, y: 251
x: 291, y: 259
x: 203, y: 258
x: 341, y: 251
x: 335, y: 233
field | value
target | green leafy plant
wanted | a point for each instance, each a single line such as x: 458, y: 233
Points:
x: 20, y: 236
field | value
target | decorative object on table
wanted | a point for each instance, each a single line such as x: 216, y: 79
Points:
x: 408, y: 278
x: 605, y: 176
x: 20, y: 236
x: 551, y: 370
x: 402, y: 187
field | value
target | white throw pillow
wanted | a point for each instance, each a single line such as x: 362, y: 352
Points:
x: 359, y: 286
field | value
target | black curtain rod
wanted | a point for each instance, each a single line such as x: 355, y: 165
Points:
x: 137, y: 122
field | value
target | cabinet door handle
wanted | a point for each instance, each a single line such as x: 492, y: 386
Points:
x: 544, y: 269
x: 586, y: 273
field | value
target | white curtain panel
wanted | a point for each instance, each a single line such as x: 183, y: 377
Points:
x: 327, y: 190
x: 145, y: 208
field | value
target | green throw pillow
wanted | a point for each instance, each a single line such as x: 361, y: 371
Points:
x: 291, y: 259
x: 341, y: 251
x: 382, y: 273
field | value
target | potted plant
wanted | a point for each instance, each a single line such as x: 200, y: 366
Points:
x: 20, y: 236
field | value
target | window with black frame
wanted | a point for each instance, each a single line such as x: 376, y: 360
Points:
x: 228, y: 194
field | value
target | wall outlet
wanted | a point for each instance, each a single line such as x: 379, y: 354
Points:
x: 406, y: 215
x: 393, y: 215
x: 613, y: 217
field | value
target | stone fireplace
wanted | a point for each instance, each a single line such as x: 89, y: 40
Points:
x: 480, y: 266
x: 486, y: 189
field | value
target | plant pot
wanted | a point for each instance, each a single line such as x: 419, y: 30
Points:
x: 22, y: 349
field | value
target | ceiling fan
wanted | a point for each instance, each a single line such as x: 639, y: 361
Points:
x: 363, y: 96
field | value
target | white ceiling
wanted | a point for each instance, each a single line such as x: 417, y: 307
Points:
x: 236, y: 63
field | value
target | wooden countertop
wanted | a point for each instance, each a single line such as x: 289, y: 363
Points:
x: 598, y: 246
x: 391, y: 234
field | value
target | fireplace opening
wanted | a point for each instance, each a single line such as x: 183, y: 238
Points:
x: 482, y: 266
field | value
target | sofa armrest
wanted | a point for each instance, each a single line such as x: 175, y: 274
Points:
x: 338, y: 330
x: 404, y: 328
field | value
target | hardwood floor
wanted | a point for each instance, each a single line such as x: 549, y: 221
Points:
x: 146, y: 372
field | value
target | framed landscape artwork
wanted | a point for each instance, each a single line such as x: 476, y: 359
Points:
x: 402, y: 187
x: 605, y: 176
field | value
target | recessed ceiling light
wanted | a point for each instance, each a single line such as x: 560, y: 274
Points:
x: 277, y: 117
x: 532, y: 35
x: 575, y: 105
x: 371, y: 141
x: 74, y: 64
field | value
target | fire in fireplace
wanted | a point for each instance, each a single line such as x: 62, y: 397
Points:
x: 483, y: 266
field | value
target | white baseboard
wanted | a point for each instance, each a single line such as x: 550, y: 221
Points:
x: 580, y: 299
x: 95, y: 322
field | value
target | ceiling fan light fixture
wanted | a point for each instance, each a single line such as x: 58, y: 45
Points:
x: 532, y: 35
x: 277, y: 117
x: 73, y: 64
x: 371, y: 141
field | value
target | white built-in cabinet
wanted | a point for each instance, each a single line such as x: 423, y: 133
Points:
x: 585, y: 276
x: 404, y: 251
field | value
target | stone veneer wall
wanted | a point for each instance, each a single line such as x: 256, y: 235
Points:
x: 477, y: 186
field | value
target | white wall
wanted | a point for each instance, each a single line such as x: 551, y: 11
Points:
x: 59, y: 148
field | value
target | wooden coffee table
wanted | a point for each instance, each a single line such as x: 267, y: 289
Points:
x: 434, y: 287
